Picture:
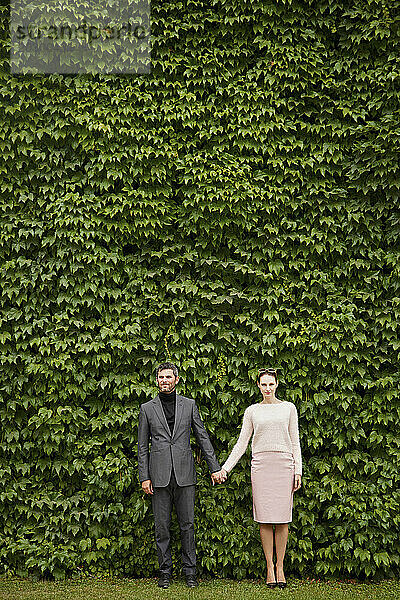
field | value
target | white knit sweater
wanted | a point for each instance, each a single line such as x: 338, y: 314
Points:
x: 275, y: 428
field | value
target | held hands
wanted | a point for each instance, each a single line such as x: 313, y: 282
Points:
x: 219, y: 476
x: 147, y: 487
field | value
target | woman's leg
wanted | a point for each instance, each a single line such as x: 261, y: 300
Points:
x: 267, y: 541
x: 281, y: 536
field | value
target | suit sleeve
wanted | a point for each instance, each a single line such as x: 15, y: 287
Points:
x: 204, y: 441
x: 143, y: 446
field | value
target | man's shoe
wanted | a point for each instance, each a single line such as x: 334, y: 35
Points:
x: 164, y: 581
x: 191, y: 581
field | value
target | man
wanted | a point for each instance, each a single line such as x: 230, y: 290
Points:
x: 167, y: 472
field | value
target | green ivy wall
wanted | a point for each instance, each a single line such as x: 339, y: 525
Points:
x: 234, y: 208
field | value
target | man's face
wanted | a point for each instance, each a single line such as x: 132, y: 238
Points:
x: 166, y: 381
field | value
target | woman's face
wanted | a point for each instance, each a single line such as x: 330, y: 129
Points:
x: 267, y: 385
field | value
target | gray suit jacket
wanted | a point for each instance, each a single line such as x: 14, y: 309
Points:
x: 171, y: 451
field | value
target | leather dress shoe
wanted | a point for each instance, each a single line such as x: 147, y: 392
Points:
x: 191, y: 581
x: 164, y: 581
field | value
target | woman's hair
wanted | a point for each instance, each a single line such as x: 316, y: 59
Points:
x: 262, y: 372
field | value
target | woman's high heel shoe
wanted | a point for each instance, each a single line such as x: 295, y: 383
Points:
x: 272, y: 584
x: 281, y: 584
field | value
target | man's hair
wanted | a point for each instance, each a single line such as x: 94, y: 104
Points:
x: 167, y: 365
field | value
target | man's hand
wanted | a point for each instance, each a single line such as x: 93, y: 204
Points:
x: 218, y: 476
x: 147, y: 486
x: 297, y: 483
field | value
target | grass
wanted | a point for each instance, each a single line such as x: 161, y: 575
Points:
x: 216, y: 589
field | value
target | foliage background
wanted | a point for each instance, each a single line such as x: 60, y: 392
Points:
x: 234, y: 208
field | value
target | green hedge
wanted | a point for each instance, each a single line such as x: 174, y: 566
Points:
x: 234, y: 208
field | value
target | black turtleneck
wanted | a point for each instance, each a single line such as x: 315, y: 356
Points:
x: 168, y: 404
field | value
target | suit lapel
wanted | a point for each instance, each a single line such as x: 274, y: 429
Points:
x: 178, y: 413
x: 158, y: 409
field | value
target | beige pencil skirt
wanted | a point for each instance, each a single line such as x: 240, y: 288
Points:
x: 272, y: 479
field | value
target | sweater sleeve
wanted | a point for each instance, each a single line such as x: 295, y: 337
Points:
x: 295, y: 440
x: 240, y: 447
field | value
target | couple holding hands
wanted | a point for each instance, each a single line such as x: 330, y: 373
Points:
x: 167, y: 472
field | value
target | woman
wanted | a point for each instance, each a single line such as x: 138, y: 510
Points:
x: 276, y: 468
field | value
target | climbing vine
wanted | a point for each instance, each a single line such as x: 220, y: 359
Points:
x: 234, y: 208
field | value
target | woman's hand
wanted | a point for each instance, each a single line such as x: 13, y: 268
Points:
x: 219, y: 476
x: 297, y: 483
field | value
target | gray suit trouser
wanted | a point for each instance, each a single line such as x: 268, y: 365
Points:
x: 182, y: 497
